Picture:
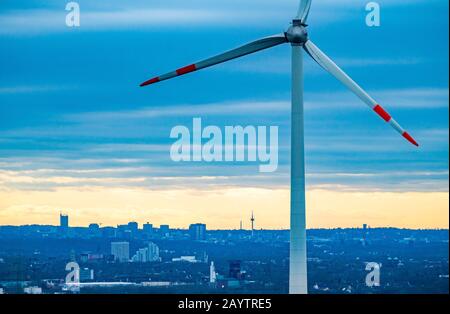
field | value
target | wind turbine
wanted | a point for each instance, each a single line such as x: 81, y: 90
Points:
x: 297, y: 36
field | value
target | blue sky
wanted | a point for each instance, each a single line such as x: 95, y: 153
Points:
x: 70, y: 104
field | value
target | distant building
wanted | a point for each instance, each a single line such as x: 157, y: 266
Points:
x: 147, y: 254
x: 197, y: 231
x: 94, y: 227
x: 365, y: 231
x: 32, y: 290
x: 141, y: 256
x: 125, y: 231
x: 235, y: 269
x: 84, y: 257
x: 94, y: 230
x: 108, y: 232
x: 120, y: 251
x: 72, y: 256
x: 133, y: 227
x: 164, y: 229
x: 127, y: 234
x: 153, y: 252
x: 148, y: 228
x: 228, y: 283
x: 212, y: 273
x: 95, y: 257
x: 122, y: 227
x: 86, y: 274
x: 203, y: 257
x: 189, y: 259
x: 63, y: 221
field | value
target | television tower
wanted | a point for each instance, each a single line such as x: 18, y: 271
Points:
x: 253, y: 222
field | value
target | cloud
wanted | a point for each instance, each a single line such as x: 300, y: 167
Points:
x: 398, y: 98
x: 402, y: 98
x: 188, y: 110
x: 96, y: 15
x: 365, y: 62
x: 282, y: 64
x: 31, y: 22
x: 424, y: 98
x: 44, y: 21
x: 28, y: 89
x: 142, y: 135
x: 50, y: 174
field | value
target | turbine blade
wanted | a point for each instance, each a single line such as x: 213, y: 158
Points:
x: 303, y: 10
x: 249, y: 48
x: 325, y: 62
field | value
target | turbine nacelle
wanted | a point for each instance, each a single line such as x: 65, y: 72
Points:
x: 297, y: 33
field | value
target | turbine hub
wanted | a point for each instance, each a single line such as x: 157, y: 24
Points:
x: 297, y: 33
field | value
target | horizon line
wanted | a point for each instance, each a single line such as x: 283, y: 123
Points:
x: 238, y: 229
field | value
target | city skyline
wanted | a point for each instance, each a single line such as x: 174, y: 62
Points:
x: 65, y: 222
x: 404, y: 208
x: 56, y: 259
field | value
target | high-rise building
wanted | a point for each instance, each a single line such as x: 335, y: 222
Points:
x: 153, y: 252
x: 73, y: 256
x: 212, y: 273
x: 202, y: 257
x: 147, y: 254
x: 122, y: 228
x: 121, y: 251
x: 133, y: 227
x: 141, y: 256
x: 197, y: 231
x: 235, y: 269
x: 364, y: 233
x: 148, y: 228
x: 63, y: 221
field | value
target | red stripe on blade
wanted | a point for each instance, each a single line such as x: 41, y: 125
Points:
x: 186, y: 69
x: 409, y: 138
x: 382, y: 113
x: 151, y: 81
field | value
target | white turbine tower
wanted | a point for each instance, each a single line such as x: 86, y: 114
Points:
x: 297, y: 36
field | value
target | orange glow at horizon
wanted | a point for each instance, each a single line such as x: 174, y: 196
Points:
x: 224, y: 208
